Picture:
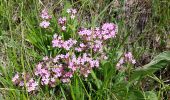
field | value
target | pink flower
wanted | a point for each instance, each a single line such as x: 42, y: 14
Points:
x: 45, y: 15
x: 21, y: 83
x: 85, y: 32
x: 57, y: 42
x: 97, y: 45
x: 44, y: 73
x: 63, y: 28
x: 72, y: 16
x: 72, y: 66
x: 69, y: 43
x: 82, y: 45
x: 105, y: 57
x: 96, y: 63
x: 52, y: 82
x: 45, y: 81
x: 68, y: 74
x: 15, y: 79
x: 113, y: 34
x: 38, y: 69
x: 133, y: 61
x: 74, y: 11
x: 92, y: 64
x: 31, y: 85
x: 106, y: 37
x: 45, y: 24
x: 52, y: 79
x: 56, y: 36
x: 45, y: 58
x: 118, y: 65
x: 108, y: 26
x: 128, y: 55
x: 68, y: 10
x: 62, y: 20
x: 57, y: 72
x: 107, y: 31
x: 78, y: 49
x: 65, y: 80
x: 121, y: 61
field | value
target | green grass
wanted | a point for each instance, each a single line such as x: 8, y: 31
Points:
x: 23, y: 44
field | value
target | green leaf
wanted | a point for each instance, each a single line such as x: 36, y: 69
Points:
x: 109, y: 73
x: 135, y: 95
x: 151, y: 95
x: 97, y: 81
x: 156, y: 64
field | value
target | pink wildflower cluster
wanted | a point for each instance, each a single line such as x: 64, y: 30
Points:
x: 72, y: 12
x: 45, y: 16
x: 96, y: 39
x: 58, y: 42
x: 90, y: 39
x: 62, y: 20
x: 128, y: 57
x: 78, y: 57
x: 31, y: 84
x: 107, y: 31
x: 62, y: 23
x: 62, y: 68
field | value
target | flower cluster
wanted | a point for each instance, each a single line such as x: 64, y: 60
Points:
x: 128, y: 57
x: 45, y: 16
x: 107, y: 31
x: 48, y: 72
x: 91, y: 39
x: 58, y: 42
x: 45, y: 24
x: 62, y: 68
x: 31, y: 84
x: 78, y: 57
x: 15, y: 79
x: 62, y: 23
x: 94, y: 39
x: 72, y: 12
x: 62, y: 20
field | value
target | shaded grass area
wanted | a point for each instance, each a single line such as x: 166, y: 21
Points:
x: 143, y: 28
